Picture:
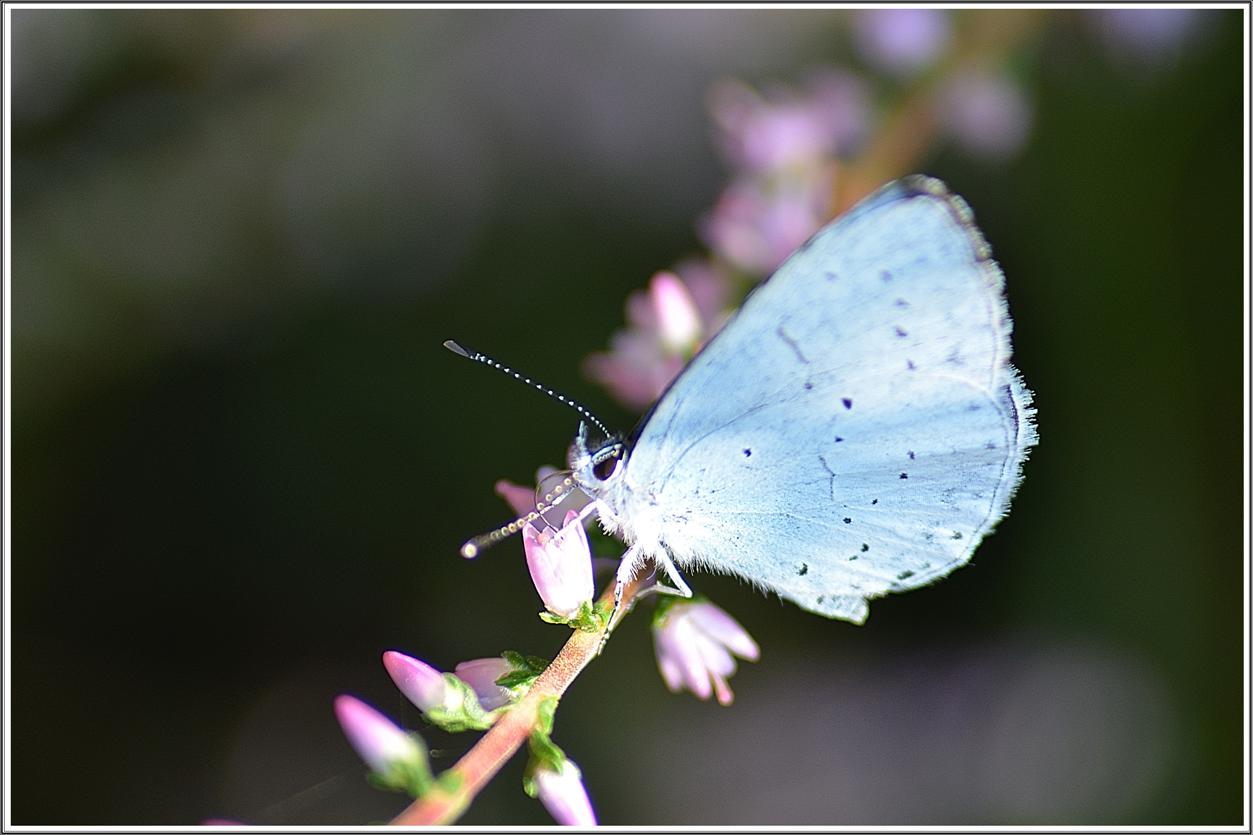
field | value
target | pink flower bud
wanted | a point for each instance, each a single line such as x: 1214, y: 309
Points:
x: 677, y: 317
x: 564, y: 796
x: 421, y: 683
x: 481, y: 675
x: 561, y: 565
x: 378, y: 741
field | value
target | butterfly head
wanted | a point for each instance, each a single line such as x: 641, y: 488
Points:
x: 597, y: 466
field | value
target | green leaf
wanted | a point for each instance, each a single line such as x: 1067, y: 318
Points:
x: 544, y: 752
x: 589, y: 617
x: 526, y: 668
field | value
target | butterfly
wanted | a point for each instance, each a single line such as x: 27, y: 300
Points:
x: 856, y: 429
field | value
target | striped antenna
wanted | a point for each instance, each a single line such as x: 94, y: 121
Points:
x: 551, y: 499
x: 491, y: 363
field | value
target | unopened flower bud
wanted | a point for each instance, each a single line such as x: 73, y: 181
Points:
x: 481, y: 674
x: 421, y: 683
x: 386, y: 748
x: 563, y: 795
x: 678, y: 319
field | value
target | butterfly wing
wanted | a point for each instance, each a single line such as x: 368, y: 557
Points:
x: 857, y: 428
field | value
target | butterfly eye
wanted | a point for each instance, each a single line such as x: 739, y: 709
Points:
x: 607, y: 466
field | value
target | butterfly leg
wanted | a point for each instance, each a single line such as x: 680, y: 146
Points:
x: 626, y: 570
x: 680, y: 588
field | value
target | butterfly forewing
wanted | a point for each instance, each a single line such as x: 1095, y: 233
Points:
x: 856, y: 428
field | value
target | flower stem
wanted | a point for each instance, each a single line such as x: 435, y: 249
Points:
x: 458, y: 786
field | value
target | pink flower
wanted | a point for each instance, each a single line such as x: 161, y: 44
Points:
x: 384, y: 746
x: 421, y: 683
x: 901, y: 41
x: 667, y: 324
x: 759, y: 134
x: 560, y: 562
x: 564, y: 796
x: 481, y: 674
x: 634, y: 369
x: 695, y: 641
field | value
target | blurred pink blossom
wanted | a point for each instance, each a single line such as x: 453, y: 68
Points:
x: 1147, y: 36
x: 755, y: 226
x: 481, y: 674
x: 695, y: 642
x: 520, y: 497
x: 564, y: 796
x: 985, y: 112
x: 560, y: 562
x: 901, y: 41
x: 376, y: 739
x: 634, y: 369
x: 785, y: 129
x: 709, y: 288
x: 678, y: 320
x: 666, y: 325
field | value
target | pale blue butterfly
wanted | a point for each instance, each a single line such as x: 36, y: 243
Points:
x: 856, y: 429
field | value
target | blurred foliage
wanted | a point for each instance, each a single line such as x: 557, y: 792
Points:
x: 242, y: 463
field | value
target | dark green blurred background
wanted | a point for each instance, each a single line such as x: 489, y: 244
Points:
x: 242, y: 463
